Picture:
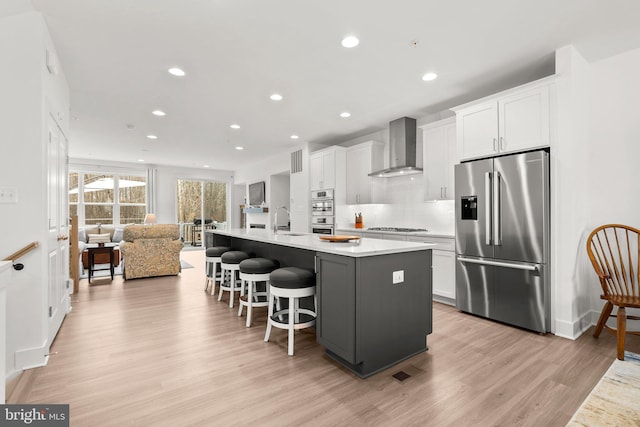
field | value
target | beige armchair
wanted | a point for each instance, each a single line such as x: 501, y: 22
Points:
x: 150, y: 250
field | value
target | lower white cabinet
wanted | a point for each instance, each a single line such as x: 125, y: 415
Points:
x: 443, y: 267
x: 443, y: 270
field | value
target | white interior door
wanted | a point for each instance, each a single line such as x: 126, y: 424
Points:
x: 58, y: 228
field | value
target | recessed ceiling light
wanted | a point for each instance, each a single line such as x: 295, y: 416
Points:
x: 152, y: 136
x: 429, y: 77
x: 205, y: 166
x: 345, y: 114
x: 235, y: 126
x: 158, y: 113
x: 175, y: 71
x: 239, y: 148
x: 141, y: 160
x: 276, y: 97
x: 350, y: 41
x: 294, y: 137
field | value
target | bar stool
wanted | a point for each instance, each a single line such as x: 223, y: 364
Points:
x: 212, y: 262
x: 292, y: 283
x: 252, y: 271
x: 230, y: 262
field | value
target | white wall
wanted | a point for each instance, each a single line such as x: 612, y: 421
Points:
x: 24, y: 113
x: 569, y: 195
x: 613, y: 153
x: 595, y: 173
x: 262, y: 171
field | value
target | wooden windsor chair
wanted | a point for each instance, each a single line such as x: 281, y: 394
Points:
x: 613, y: 250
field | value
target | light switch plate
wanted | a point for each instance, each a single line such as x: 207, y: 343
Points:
x: 398, y: 277
x: 8, y: 195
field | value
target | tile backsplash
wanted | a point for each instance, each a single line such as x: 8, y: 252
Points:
x: 400, y: 203
x: 435, y: 216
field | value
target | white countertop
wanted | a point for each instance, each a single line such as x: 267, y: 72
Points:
x: 445, y: 234
x: 361, y: 248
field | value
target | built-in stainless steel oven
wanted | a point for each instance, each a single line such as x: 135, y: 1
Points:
x: 322, y: 212
x: 322, y: 224
x: 322, y: 202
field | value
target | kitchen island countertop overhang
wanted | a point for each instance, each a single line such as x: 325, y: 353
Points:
x: 374, y: 297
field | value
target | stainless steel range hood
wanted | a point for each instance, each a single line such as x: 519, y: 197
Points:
x: 402, y: 149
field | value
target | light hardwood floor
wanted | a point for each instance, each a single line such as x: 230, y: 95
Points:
x: 162, y: 352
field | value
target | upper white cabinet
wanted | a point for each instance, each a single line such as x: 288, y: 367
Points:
x: 514, y: 120
x: 362, y: 159
x: 325, y: 168
x: 439, y: 157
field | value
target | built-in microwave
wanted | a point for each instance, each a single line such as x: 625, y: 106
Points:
x: 322, y: 229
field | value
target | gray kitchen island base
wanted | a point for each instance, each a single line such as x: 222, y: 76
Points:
x: 365, y: 370
x: 367, y: 322
x: 374, y: 299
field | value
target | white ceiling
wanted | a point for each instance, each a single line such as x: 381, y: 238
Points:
x: 236, y: 53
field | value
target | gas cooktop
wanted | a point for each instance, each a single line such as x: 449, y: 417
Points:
x: 398, y: 229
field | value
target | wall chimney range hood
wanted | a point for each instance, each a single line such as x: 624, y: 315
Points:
x: 402, y: 149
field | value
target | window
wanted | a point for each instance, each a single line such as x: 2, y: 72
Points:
x: 201, y: 204
x: 105, y: 198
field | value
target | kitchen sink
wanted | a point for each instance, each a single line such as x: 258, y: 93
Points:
x: 291, y: 234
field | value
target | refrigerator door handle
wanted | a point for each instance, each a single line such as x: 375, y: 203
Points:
x: 497, y: 238
x: 528, y: 267
x: 487, y: 208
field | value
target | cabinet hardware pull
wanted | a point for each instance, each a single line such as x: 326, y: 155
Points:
x: 501, y: 143
x: 494, y: 144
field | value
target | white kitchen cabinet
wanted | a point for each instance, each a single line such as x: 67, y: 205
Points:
x: 439, y: 158
x: 362, y: 159
x: 443, y: 267
x: 326, y: 168
x: 514, y: 120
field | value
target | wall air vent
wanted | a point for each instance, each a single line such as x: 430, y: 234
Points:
x: 296, y: 161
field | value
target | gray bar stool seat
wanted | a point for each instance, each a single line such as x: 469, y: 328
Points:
x: 212, y: 266
x: 230, y: 262
x: 292, y: 283
x: 253, y: 271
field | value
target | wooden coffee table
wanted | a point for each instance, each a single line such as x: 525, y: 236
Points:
x: 101, y: 248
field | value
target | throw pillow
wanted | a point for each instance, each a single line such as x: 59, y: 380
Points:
x: 94, y: 230
x: 99, y: 238
x: 117, y: 236
x: 82, y: 236
x: 108, y: 229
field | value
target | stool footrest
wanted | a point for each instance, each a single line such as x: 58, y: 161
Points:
x: 284, y: 323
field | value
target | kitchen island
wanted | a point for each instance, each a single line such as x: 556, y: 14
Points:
x: 365, y: 321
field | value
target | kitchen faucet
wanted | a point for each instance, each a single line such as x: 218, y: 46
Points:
x: 275, y: 218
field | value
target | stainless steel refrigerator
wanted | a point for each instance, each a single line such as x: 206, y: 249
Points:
x: 502, y: 239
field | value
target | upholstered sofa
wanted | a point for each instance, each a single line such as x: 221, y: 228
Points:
x: 150, y: 250
x: 99, y: 233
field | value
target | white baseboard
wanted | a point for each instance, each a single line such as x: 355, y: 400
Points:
x: 573, y: 330
x: 31, y: 358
